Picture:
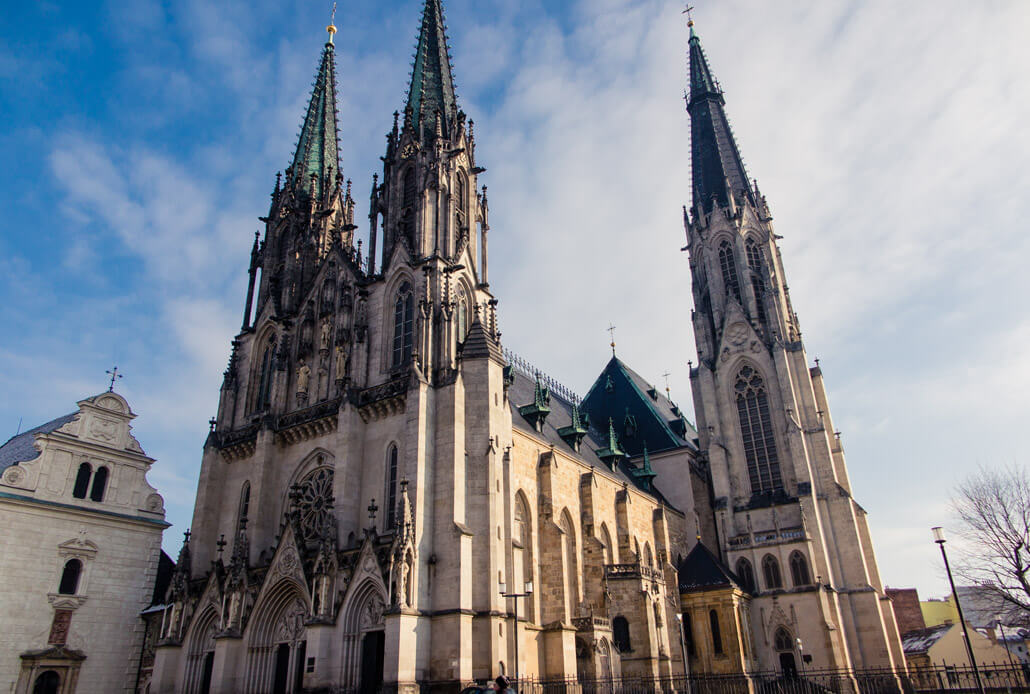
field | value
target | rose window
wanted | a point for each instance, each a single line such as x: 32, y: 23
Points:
x: 312, y: 502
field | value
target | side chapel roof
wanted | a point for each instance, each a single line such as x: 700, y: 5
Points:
x: 701, y: 570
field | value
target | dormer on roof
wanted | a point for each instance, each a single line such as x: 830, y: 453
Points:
x: 536, y: 412
x: 574, y: 433
x: 612, y: 453
x: 644, y: 475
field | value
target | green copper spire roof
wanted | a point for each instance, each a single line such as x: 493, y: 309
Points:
x: 715, y: 160
x: 612, y: 453
x: 432, y: 82
x: 318, y: 149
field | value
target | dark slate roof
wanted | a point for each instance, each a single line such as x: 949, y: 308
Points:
x: 432, y: 81
x: 21, y: 448
x: 619, y: 391
x: 522, y: 392
x: 715, y: 159
x: 165, y: 568
x: 921, y: 640
x: 317, y: 147
x: 702, y: 570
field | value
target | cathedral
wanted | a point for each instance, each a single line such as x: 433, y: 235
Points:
x: 390, y: 500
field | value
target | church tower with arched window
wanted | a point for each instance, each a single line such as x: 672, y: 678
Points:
x: 795, y: 538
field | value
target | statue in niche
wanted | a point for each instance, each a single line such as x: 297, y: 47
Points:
x: 341, y: 362
x: 303, y: 378
x: 327, y: 336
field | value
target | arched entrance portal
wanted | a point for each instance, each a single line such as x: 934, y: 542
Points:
x: 276, y: 643
x: 364, y: 638
x: 373, y: 646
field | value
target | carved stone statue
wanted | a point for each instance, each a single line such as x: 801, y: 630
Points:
x: 303, y: 378
x: 402, y: 585
x: 341, y: 362
x: 327, y: 333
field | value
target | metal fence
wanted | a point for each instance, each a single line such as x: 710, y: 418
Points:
x: 938, y: 678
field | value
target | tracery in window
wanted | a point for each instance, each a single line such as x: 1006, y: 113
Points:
x: 312, y: 501
x: 244, y: 503
x: 746, y: 574
x: 403, y: 325
x: 771, y: 572
x: 754, y: 261
x: 799, y: 569
x: 783, y: 640
x: 463, y: 315
x: 728, y: 265
x: 763, y: 463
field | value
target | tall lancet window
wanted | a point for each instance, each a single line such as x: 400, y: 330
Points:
x: 763, y: 464
x: 460, y: 202
x: 754, y: 261
x: 463, y: 315
x: 403, y: 325
x: 408, y: 194
x: 264, y: 397
x: 391, y: 487
x: 728, y: 264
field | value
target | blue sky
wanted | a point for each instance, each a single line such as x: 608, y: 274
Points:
x: 141, y: 141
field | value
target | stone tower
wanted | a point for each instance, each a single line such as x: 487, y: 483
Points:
x: 788, y: 525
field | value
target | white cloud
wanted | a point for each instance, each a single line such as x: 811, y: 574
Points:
x: 888, y: 138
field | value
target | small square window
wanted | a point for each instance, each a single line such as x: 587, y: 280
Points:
x: 311, y: 665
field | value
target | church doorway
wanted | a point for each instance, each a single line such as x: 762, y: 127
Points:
x: 787, y: 666
x: 373, y: 646
x: 47, y: 683
x: 282, y: 669
x: 209, y: 668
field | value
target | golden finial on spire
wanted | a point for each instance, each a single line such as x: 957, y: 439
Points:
x: 690, y: 20
x: 332, y: 27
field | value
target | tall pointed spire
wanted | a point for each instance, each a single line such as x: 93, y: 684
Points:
x: 318, y: 149
x: 715, y: 160
x: 432, y: 82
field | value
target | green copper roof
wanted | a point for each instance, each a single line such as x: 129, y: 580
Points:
x: 432, y: 82
x: 318, y: 148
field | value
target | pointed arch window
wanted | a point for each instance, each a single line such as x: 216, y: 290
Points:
x: 783, y: 640
x: 463, y: 315
x: 728, y: 265
x: 96, y: 493
x: 754, y: 261
x: 70, y: 577
x: 688, y: 634
x: 264, y: 397
x: 408, y: 195
x: 763, y: 463
x: 799, y: 569
x: 391, y: 487
x: 620, y: 634
x: 460, y: 202
x: 524, y: 534
x: 746, y: 574
x: 403, y: 325
x: 82, y: 481
x: 771, y: 572
x: 244, y: 503
x: 713, y: 621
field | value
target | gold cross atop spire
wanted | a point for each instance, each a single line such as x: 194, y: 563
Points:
x: 332, y: 23
x: 611, y: 329
x: 687, y: 11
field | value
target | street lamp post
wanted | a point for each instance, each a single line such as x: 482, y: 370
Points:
x: 683, y: 652
x: 938, y: 537
x: 1004, y: 642
x: 801, y: 656
x: 527, y: 591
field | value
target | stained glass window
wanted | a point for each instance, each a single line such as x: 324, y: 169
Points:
x: 763, y: 464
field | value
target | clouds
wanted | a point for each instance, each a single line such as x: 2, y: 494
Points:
x: 887, y: 137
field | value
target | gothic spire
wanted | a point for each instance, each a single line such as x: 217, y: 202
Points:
x: 317, y: 157
x: 432, y: 82
x: 716, y: 166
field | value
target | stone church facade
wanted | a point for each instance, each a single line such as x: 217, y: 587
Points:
x: 381, y: 476
x: 79, y: 554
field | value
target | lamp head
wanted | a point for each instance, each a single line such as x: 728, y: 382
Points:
x: 529, y: 588
x: 502, y: 587
x: 938, y: 535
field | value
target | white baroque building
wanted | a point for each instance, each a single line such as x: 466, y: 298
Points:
x: 79, y: 552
